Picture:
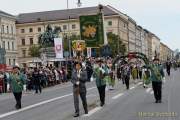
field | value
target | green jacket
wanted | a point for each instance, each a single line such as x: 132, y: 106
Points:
x: 99, y: 76
x: 16, y: 82
x: 157, y: 73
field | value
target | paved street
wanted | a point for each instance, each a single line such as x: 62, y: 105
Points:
x: 56, y: 103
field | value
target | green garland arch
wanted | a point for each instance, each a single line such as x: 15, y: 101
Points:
x: 131, y: 55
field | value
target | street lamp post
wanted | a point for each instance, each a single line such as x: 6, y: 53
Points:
x: 79, y: 3
x: 68, y: 36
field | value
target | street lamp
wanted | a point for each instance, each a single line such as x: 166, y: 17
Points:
x: 69, y: 41
x: 79, y: 3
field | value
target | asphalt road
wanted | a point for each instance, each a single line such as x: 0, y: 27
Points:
x: 56, y: 103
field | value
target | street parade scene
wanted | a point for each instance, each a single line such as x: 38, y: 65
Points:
x: 89, y: 61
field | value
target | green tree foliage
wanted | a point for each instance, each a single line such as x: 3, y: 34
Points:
x: 34, y: 51
x: 113, y: 41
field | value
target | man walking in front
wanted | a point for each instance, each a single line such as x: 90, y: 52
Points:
x: 157, y: 75
x: 16, y: 80
x: 99, y: 74
x: 79, y: 78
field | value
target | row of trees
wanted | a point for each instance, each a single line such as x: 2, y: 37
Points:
x: 115, y: 45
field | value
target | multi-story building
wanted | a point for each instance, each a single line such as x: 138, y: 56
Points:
x: 30, y: 25
x: 170, y: 53
x: 132, y: 34
x: 138, y: 39
x: 119, y: 26
x: 148, y: 37
x: 145, y: 43
x: 163, y: 52
x: 8, y: 37
x: 155, y: 46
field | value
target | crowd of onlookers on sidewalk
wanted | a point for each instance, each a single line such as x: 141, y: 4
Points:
x: 36, y: 78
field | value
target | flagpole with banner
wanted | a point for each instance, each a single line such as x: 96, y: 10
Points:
x: 58, y: 48
x: 92, y: 30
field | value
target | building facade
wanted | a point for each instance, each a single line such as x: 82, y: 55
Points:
x: 138, y: 39
x: 132, y: 34
x: 119, y: 25
x: 8, y: 37
x: 163, y: 52
x: 155, y: 46
x: 30, y: 25
x: 145, y: 43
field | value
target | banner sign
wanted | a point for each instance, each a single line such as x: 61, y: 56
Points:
x: 78, y: 45
x: 88, y: 52
x: 58, y: 47
x: 92, y: 30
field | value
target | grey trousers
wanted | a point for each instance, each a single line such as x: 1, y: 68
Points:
x: 82, y: 92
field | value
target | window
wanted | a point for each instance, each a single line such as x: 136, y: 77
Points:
x: 4, y: 44
x: 110, y: 23
x: 124, y: 25
x: 30, y: 30
x: 74, y: 33
x: 64, y: 27
x: 14, y: 61
x: 39, y: 29
x: 23, y: 53
x: 12, y: 45
x: 73, y: 26
x: 31, y: 41
x: 2, y: 28
x: 22, y: 30
x: 23, y: 41
x: 7, y: 29
x: 8, y: 46
x: 9, y: 61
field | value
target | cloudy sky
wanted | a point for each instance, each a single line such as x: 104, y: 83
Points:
x: 161, y: 17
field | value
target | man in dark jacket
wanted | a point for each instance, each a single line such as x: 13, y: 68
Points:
x: 89, y: 70
x: 37, y: 80
x: 168, y: 68
x: 126, y: 75
x: 79, y: 78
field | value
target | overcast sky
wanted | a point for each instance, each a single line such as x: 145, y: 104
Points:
x: 161, y: 17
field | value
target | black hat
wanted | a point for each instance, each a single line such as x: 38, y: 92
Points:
x: 155, y: 59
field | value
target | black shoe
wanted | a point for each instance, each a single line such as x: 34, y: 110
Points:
x: 102, y: 104
x: 156, y: 101
x: 18, y: 107
x: 159, y: 101
x: 76, y: 115
x: 86, y: 112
